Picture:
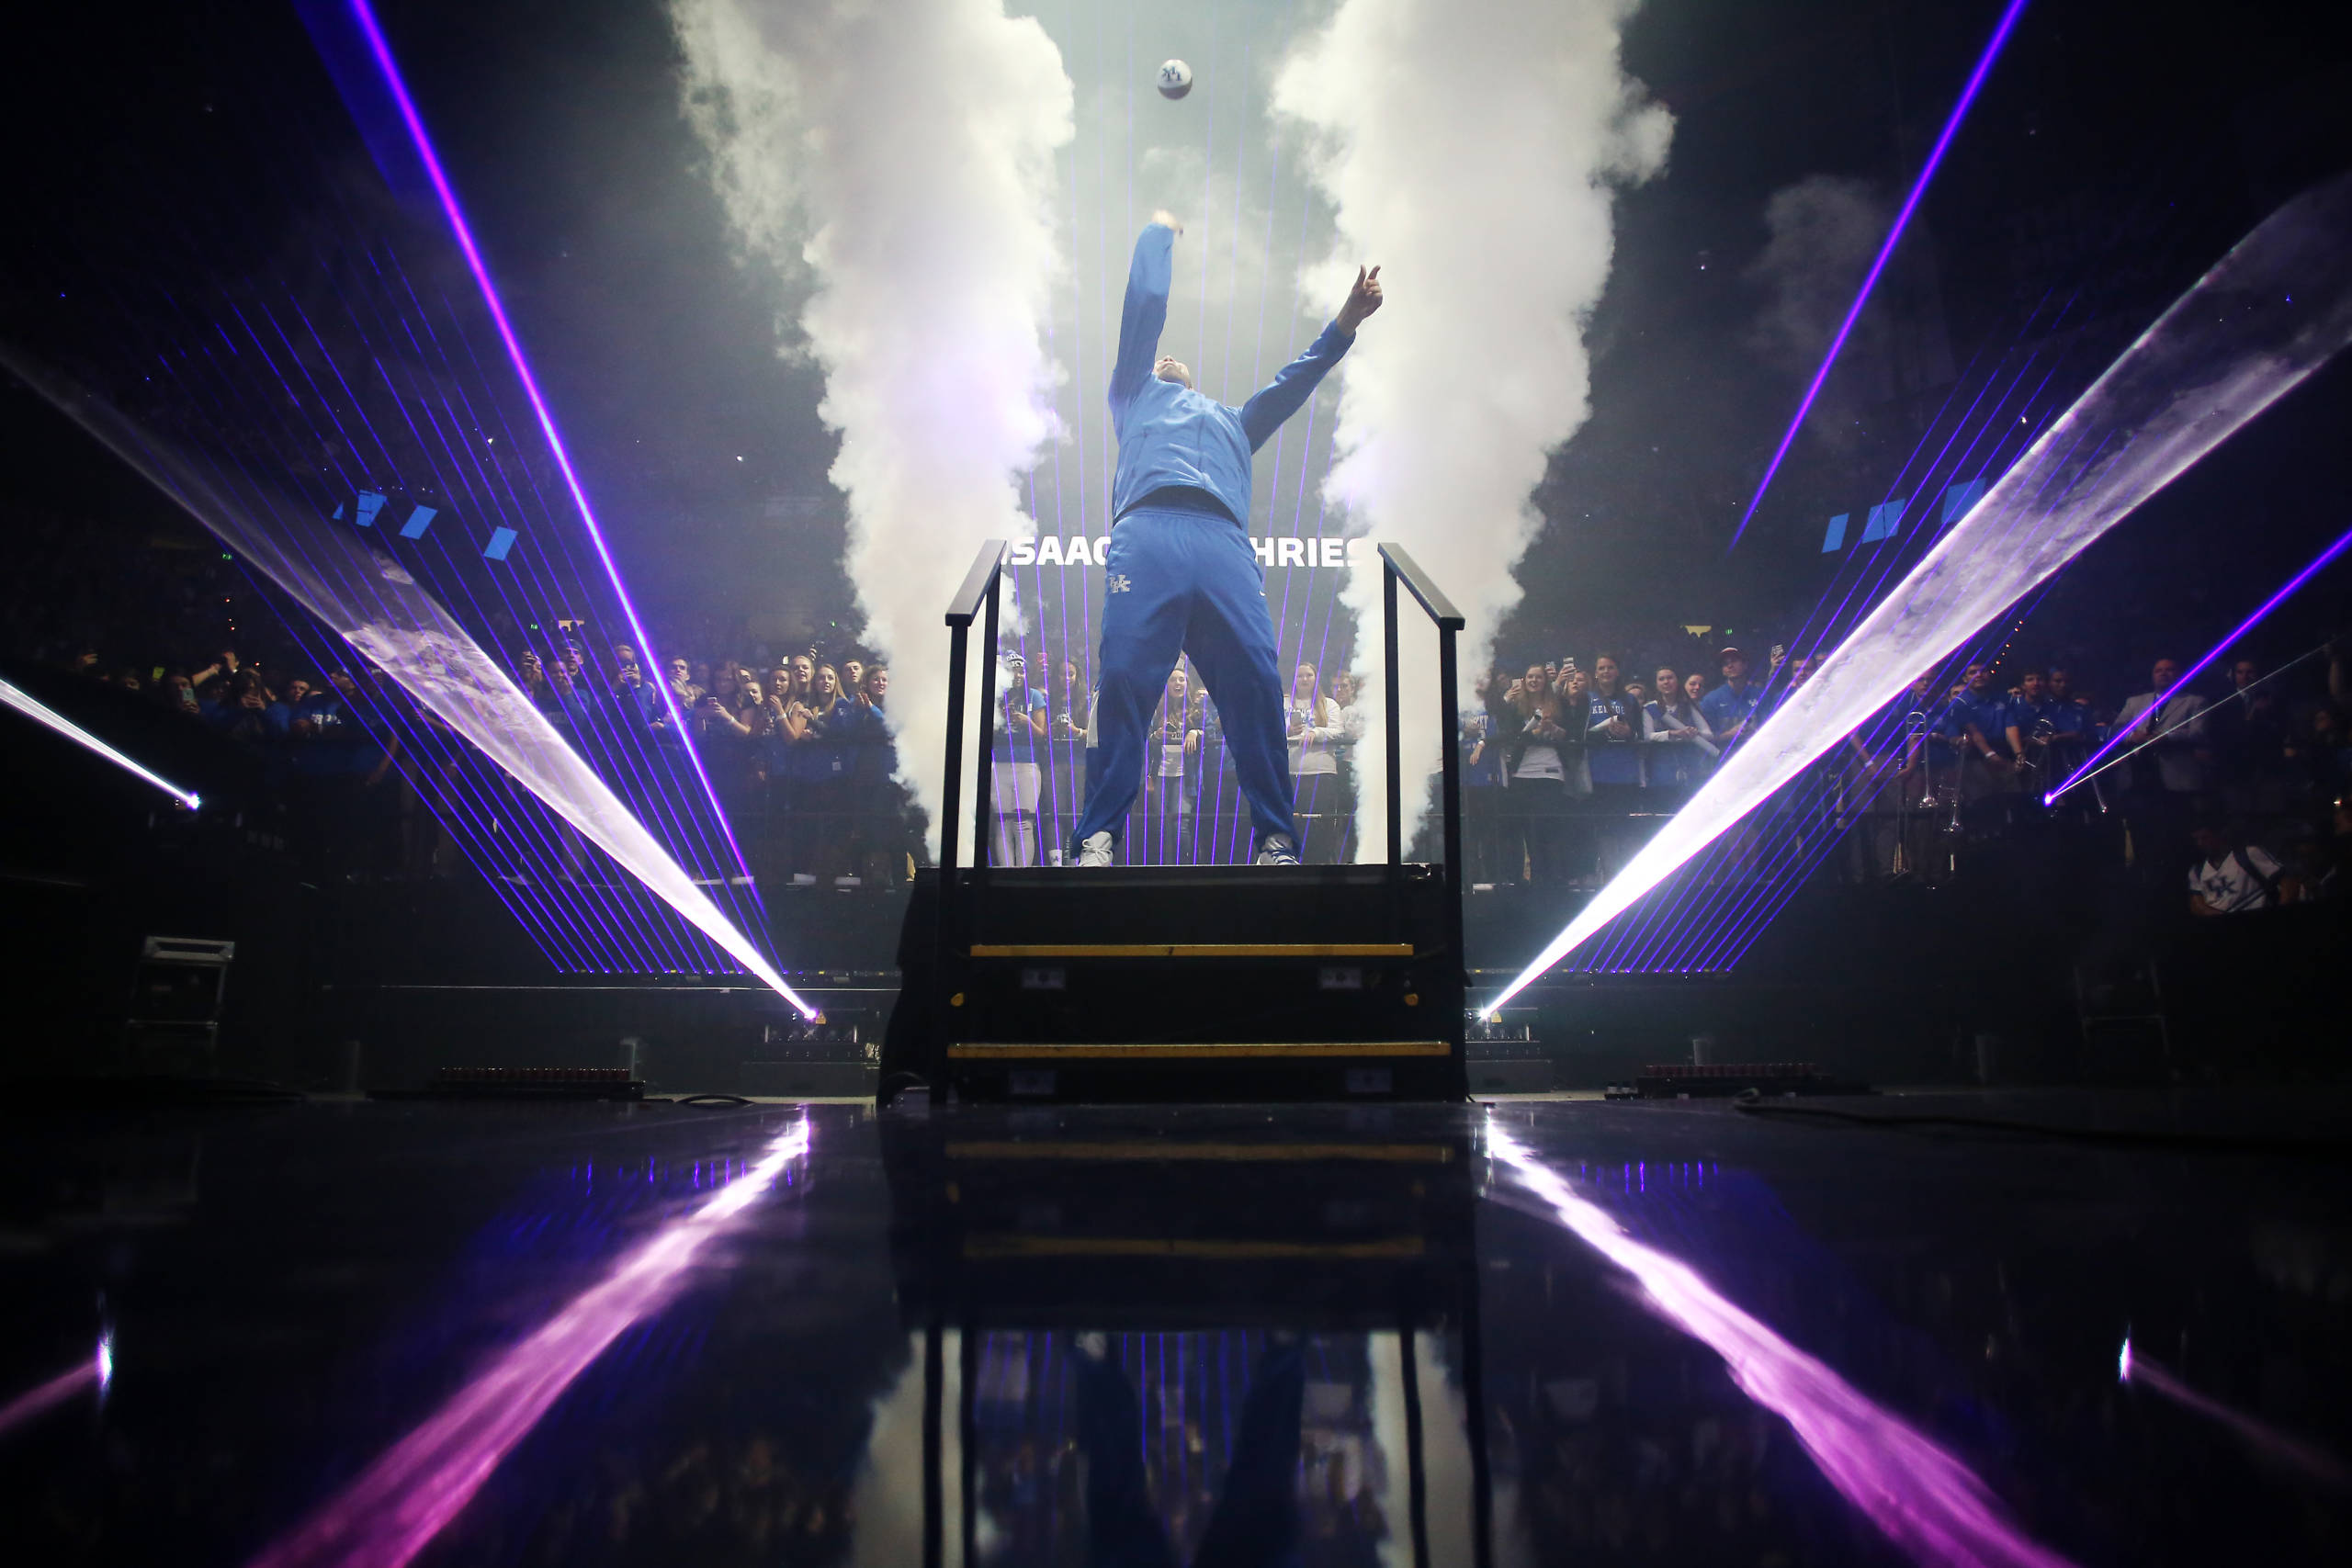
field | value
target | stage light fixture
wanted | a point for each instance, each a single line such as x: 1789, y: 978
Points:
x: 1959, y: 498
x: 32, y: 708
x: 1885, y: 253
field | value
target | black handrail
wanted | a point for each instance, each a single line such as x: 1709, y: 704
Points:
x: 979, y: 593
x: 1433, y: 599
x: 1397, y: 566
x: 977, y: 597
x: 978, y: 600
x: 986, y: 568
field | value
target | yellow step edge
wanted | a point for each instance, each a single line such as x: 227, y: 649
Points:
x: 975, y: 1051
x: 1194, y: 950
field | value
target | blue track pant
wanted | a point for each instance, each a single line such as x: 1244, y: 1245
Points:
x: 1186, y: 582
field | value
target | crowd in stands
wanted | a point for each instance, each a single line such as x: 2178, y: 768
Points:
x: 1566, y: 771
x: 1568, y: 764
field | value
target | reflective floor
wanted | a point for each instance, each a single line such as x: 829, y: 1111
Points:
x: 1535, y: 1332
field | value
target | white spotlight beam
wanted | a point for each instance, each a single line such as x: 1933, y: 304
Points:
x: 2267, y: 315
x: 32, y: 708
x: 379, y: 609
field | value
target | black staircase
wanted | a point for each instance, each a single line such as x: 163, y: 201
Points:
x: 1182, y: 983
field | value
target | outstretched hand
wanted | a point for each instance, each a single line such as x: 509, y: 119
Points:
x: 1363, y: 299
x: 1168, y: 217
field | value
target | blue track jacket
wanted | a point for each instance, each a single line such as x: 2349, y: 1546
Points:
x: 1171, y: 435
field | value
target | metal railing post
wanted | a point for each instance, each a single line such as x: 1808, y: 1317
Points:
x: 1395, y: 753
x: 943, y: 934
x: 987, y: 569
x: 934, y: 1374
x: 1474, y: 1409
x: 984, y: 790
x: 950, y: 791
x: 1401, y: 568
x: 1416, y: 1484
x: 1450, y: 795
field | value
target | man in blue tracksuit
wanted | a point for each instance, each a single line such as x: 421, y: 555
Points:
x: 1181, y: 577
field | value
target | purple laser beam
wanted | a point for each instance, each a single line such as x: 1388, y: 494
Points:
x: 1885, y: 253
x: 366, y: 17
x: 2092, y: 764
x: 324, y: 658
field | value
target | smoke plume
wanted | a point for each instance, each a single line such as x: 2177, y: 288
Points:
x: 1823, y: 232
x: 897, y: 155
x: 1474, y: 153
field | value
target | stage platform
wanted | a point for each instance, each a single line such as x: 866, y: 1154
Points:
x: 1180, y: 983
x: 1532, y: 1332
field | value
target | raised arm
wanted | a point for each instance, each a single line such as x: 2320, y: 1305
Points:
x: 1145, y: 310
x: 1296, y: 381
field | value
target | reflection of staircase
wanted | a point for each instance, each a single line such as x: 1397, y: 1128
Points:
x: 1184, y: 983
x: 1338, y: 1217
x: 1186, y: 1243
x: 2119, y: 1005
x: 1197, y: 983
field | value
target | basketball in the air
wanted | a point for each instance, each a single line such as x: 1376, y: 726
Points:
x: 1175, y: 79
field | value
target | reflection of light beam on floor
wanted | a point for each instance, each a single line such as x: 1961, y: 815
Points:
x: 2138, y: 1372
x: 1885, y: 253
x: 2265, y: 316
x: 43, y: 1397
x: 400, y: 1503
x: 32, y: 708
x: 1926, y: 1502
x: 2093, y: 764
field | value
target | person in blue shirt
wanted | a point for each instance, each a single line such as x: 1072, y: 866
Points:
x: 1980, y: 717
x: 279, y: 720
x: 2032, y: 725
x: 1180, y: 577
x: 1612, y: 723
x: 1613, y: 726
x: 1486, y: 732
x: 1728, y: 705
x: 2076, y: 727
x: 1023, y: 721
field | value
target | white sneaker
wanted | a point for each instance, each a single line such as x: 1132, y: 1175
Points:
x: 1276, y: 849
x: 1095, y: 851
